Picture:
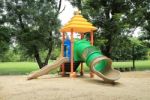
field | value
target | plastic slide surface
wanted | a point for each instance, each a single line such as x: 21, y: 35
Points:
x: 46, y: 69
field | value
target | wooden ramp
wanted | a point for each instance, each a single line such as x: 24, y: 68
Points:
x: 46, y: 69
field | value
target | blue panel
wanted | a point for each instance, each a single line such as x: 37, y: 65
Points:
x: 67, y: 48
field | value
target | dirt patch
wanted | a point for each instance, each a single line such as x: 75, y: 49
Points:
x: 131, y: 86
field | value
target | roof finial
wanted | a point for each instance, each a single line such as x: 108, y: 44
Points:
x: 78, y: 12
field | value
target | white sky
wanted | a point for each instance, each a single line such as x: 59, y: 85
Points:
x: 67, y: 14
x: 137, y: 32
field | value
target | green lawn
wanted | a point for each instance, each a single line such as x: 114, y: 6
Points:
x: 140, y: 65
x: 21, y: 68
x: 17, y: 68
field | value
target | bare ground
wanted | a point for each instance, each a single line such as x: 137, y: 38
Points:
x: 131, y: 86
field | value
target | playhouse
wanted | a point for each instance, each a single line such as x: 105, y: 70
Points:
x: 76, y: 51
x: 80, y: 25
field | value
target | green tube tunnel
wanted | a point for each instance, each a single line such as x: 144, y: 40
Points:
x: 83, y: 51
x: 95, y: 60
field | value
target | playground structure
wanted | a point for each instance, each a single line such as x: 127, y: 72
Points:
x: 76, y: 51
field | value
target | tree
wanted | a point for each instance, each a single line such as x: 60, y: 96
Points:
x: 130, y: 49
x: 36, y: 25
x: 105, y: 15
x: 115, y: 19
x: 5, y: 34
x: 145, y: 36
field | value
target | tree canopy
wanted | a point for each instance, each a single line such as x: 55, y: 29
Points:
x: 116, y: 20
x: 32, y: 25
x: 35, y: 23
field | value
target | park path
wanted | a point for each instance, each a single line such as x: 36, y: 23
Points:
x: 131, y: 86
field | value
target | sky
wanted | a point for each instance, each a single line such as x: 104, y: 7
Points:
x: 67, y: 14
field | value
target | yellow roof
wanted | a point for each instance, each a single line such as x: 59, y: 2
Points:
x: 78, y: 24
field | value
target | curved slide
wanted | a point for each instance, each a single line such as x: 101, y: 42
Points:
x: 46, y: 69
x: 101, y: 66
x: 98, y: 63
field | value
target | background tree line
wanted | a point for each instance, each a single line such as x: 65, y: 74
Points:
x: 29, y: 29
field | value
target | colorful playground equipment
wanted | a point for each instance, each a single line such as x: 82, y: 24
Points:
x: 76, y: 51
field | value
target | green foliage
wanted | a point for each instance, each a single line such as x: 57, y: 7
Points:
x: 116, y: 21
x: 125, y: 50
x: 37, y: 20
x: 5, y: 36
x: 10, y: 57
x: 107, y: 16
x: 148, y: 54
x: 36, y: 26
x: 55, y: 53
x: 14, y: 55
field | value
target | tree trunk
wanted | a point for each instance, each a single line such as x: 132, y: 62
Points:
x: 50, y: 48
x: 133, y: 57
x: 37, y: 57
x: 108, y: 47
x: 107, y: 51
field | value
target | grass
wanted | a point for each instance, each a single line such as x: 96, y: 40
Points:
x: 140, y: 64
x: 23, y: 68
x: 17, y: 68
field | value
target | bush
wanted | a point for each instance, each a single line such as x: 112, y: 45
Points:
x: 55, y: 53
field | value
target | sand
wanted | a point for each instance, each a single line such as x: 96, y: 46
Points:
x: 131, y: 86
